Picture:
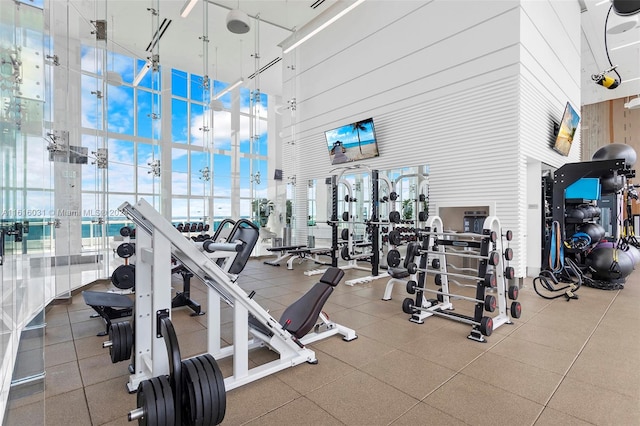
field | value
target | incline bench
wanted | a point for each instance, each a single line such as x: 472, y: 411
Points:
x: 303, y: 252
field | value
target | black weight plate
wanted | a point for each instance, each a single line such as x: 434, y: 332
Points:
x: 190, y: 401
x: 494, y: 258
x: 394, y: 217
x: 412, y: 268
x: 393, y: 258
x: 127, y: 330
x: 423, y: 216
x: 411, y: 287
x: 395, y: 238
x: 124, y: 277
x: 344, y: 234
x: 126, y: 250
x: 125, y: 231
x: 508, y: 253
x: 422, y: 198
x: 122, y: 342
x: 222, y: 393
x: 490, y: 303
x: 516, y: 309
x: 114, y: 337
x: 493, y: 237
x: 209, y: 390
x: 393, y: 196
x: 407, y: 306
x: 509, y: 272
x: 193, y: 407
x: 345, y: 216
x: 146, y: 399
x: 509, y: 235
x: 435, y: 263
x: 162, y: 385
x: 513, y: 292
x: 344, y: 253
x: 438, y: 279
x: 440, y: 297
x: 486, y: 326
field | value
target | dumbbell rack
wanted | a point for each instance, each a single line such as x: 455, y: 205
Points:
x: 434, y: 256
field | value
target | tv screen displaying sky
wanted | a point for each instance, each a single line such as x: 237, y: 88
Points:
x: 567, y: 130
x: 352, y: 142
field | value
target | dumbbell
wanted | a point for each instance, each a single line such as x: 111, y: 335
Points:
x: 489, y: 301
x: 485, y: 326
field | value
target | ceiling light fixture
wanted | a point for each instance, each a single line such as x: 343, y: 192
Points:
x: 238, y: 22
x: 228, y: 89
x: 187, y: 7
x: 625, y: 45
x: 323, y: 26
x: 145, y: 69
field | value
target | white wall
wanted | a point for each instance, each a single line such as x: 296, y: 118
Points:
x: 443, y: 88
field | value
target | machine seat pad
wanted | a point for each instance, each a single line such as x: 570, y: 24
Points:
x: 101, y: 298
x: 398, y: 272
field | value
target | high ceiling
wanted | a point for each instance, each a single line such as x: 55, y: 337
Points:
x: 131, y: 27
x: 231, y: 56
x: 594, y: 57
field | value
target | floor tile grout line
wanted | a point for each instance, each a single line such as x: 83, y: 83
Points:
x: 545, y: 405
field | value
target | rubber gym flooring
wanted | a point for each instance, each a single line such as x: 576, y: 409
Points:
x: 561, y: 363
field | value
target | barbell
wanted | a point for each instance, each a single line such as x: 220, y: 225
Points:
x: 489, y: 301
x: 489, y: 280
x: 485, y: 325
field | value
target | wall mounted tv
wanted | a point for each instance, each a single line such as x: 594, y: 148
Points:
x: 567, y: 131
x: 352, y: 142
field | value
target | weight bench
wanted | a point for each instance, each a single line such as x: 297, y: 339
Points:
x: 284, y: 253
x: 302, y: 253
x: 109, y: 306
x: 398, y: 274
x: 302, y: 315
x: 232, y: 259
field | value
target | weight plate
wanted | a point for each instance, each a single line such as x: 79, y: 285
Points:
x: 508, y: 253
x: 146, y: 399
x: 222, y: 393
x: 509, y: 272
x: 209, y: 390
x: 440, y: 297
x: 423, y: 216
x: 486, y: 326
x: 114, y: 337
x: 163, y: 387
x: 490, y: 280
x: 509, y: 235
x: 345, y: 216
x: 422, y: 198
x: 394, y: 217
x: 494, y: 258
x: 516, y: 309
x: 127, y: 330
x: 393, y: 258
x: 513, y: 292
x: 490, y: 303
x: 193, y: 407
x: 407, y: 306
x: 344, y: 234
x: 395, y: 238
x: 126, y: 250
x: 411, y: 287
x: 393, y: 196
x: 125, y: 231
x: 435, y: 263
x: 124, y: 277
x: 344, y: 253
x: 493, y: 237
x: 438, y: 279
x: 412, y: 268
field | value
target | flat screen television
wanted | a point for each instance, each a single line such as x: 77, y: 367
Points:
x: 352, y: 142
x: 567, y: 131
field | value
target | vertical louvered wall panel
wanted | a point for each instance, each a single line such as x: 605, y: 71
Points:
x: 448, y: 97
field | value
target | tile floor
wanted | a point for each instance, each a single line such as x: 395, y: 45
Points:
x: 561, y: 363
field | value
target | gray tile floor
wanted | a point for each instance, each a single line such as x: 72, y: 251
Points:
x: 561, y: 363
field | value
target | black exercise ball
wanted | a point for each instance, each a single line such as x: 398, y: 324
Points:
x: 609, y: 264
x: 575, y: 214
x: 614, y: 151
x: 609, y: 184
x: 593, y: 230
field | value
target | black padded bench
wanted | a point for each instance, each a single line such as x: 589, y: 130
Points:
x: 109, y: 306
x: 301, y: 316
x: 285, y: 251
x: 303, y: 252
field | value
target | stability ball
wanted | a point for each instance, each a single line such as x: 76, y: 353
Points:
x: 593, y: 230
x: 609, y: 264
x: 614, y: 151
x: 633, y: 253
